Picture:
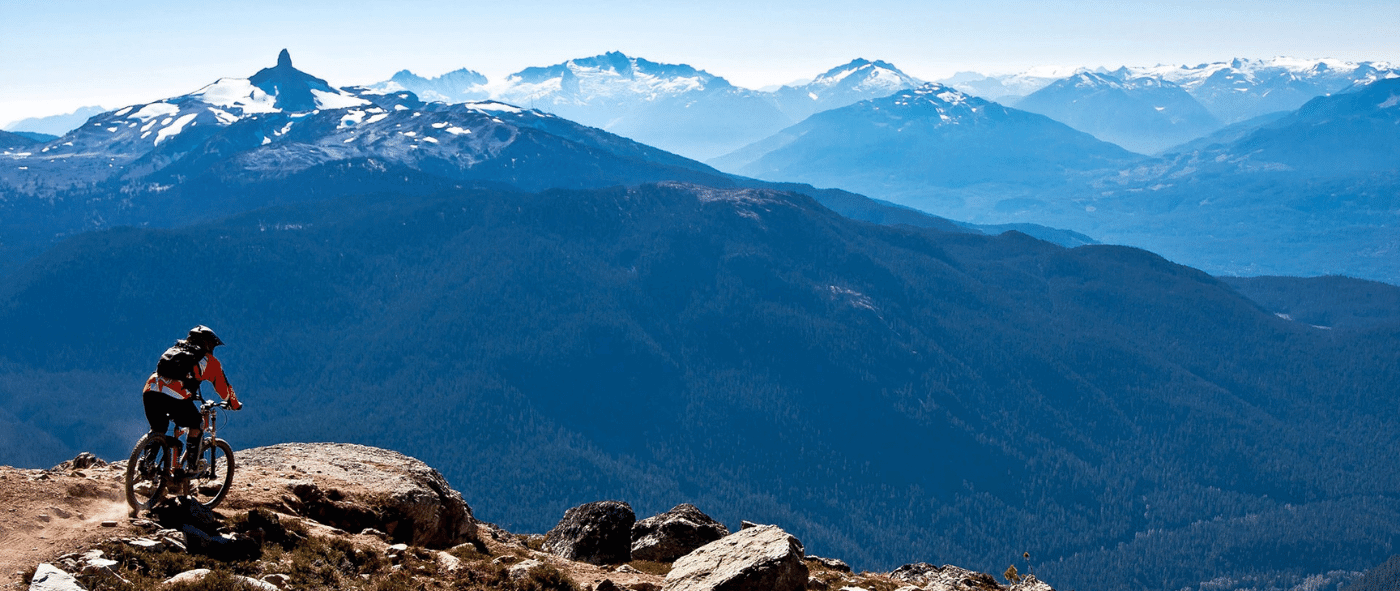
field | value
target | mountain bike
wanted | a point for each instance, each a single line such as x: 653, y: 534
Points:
x: 152, y: 472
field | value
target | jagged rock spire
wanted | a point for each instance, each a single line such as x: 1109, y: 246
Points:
x: 284, y: 59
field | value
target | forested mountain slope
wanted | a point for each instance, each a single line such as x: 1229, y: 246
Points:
x: 1331, y: 301
x: 882, y: 392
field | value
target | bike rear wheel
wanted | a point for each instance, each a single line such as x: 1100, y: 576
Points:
x: 213, y: 477
x: 146, y: 471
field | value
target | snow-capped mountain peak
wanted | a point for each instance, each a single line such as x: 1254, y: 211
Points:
x: 852, y: 82
x: 281, y: 88
x: 298, y: 92
x: 861, y: 75
x: 934, y: 102
x: 1242, y: 88
x: 453, y: 87
x: 608, y: 77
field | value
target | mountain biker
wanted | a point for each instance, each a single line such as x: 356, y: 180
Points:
x: 172, y: 389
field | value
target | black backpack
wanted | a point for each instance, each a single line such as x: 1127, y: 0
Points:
x: 177, y: 363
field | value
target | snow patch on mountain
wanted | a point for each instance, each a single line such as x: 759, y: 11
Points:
x: 337, y: 100
x: 237, y: 93
x: 174, y: 128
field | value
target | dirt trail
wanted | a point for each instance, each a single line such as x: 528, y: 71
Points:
x: 44, y: 515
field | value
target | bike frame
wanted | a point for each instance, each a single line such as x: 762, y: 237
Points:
x: 210, y: 419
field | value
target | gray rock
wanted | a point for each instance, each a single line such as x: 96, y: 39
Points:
x: 944, y: 578
x: 673, y: 534
x: 760, y: 558
x: 48, y: 577
x: 145, y: 544
x: 197, y: 575
x: 448, y: 562
x: 831, y: 563
x: 596, y: 533
x: 1030, y: 583
x: 413, y: 502
x: 82, y: 461
x: 522, y: 569
x: 95, y: 558
x: 189, y: 576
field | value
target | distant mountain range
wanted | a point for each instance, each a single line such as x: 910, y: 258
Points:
x: 458, y: 86
x: 163, y: 163
x: 1305, y: 193
x: 282, y: 120
x: 1232, y: 91
x: 1008, y: 88
x: 1246, y: 88
x: 672, y: 106
x: 1143, y: 114
x: 925, y: 140
x: 55, y: 125
x: 1314, y: 192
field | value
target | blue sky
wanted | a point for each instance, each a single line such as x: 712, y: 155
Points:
x: 58, y: 55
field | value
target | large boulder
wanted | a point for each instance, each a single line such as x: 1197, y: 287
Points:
x: 596, y: 533
x: 944, y: 578
x: 762, y: 558
x: 367, y: 487
x: 673, y: 534
x: 48, y: 577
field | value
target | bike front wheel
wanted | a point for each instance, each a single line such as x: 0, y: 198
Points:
x: 146, y: 473
x: 213, y: 476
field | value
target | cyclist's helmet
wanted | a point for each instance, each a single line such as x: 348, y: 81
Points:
x: 204, y: 337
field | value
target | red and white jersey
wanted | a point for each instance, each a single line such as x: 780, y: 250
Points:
x: 208, y: 370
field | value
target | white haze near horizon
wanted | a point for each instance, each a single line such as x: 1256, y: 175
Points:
x: 58, y: 56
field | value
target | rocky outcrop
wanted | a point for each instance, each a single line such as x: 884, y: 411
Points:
x: 839, y: 566
x: 1030, y: 583
x: 944, y: 578
x: 196, y: 576
x: 388, y: 491
x: 82, y: 461
x: 596, y: 533
x: 673, y: 534
x: 284, y: 491
x: 761, y: 558
x: 48, y: 577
